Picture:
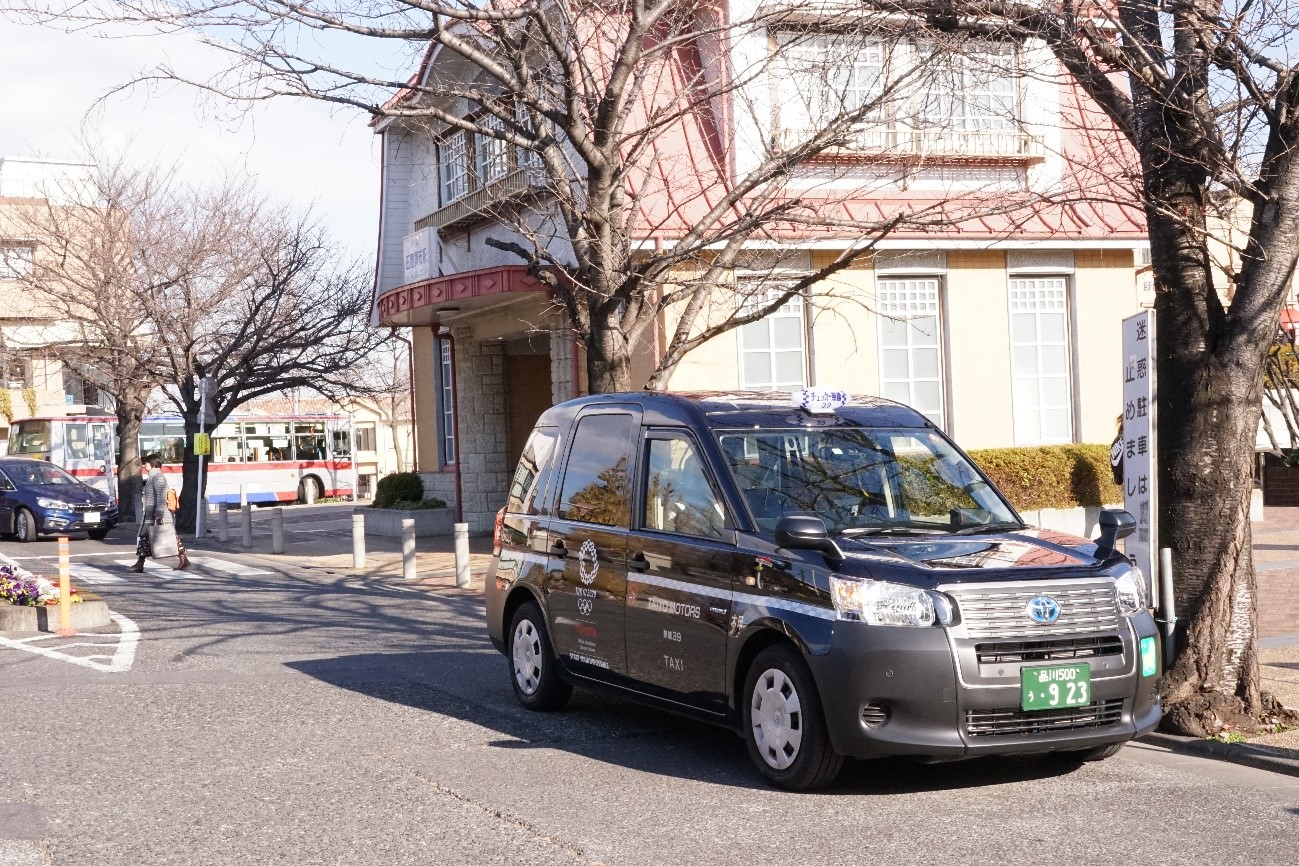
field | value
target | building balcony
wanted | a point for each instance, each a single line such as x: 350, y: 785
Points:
x: 477, y: 203
x: 911, y: 144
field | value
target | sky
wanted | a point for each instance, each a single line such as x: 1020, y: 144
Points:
x: 54, y: 85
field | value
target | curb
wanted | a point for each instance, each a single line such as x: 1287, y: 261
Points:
x: 1258, y: 757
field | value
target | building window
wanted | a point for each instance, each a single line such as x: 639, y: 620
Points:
x: 910, y: 338
x: 1039, y: 356
x: 15, y: 262
x: 453, y: 167
x: 365, y: 438
x: 773, y: 350
x: 491, y: 155
x: 446, y: 382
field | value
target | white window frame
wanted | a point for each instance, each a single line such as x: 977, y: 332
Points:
x: 1040, y: 296
x: 453, y: 167
x: 447, y: 401
x: 794, y: 308
x: 15, y: 261
x: 491, y: 154
x: 901, y: 300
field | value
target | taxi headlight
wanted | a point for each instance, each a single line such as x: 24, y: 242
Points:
x: 1130, y: 591
x: 56, y: 504
x: 879, y: 602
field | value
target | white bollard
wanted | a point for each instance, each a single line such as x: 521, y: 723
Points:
x: 408, y: 548
x: 223, y: 522
x: 462, y: 554
x: 246, y: 517
x: 243, y: 495
x: 277, y: 530
x: 358, y: 541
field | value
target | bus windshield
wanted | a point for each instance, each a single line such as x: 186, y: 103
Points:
x: 30, y: 437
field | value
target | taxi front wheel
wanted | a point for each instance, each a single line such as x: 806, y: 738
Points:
x: 537, y: 683
x: 784, y: 726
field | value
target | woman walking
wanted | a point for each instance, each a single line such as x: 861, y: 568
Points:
x: 154, y: 511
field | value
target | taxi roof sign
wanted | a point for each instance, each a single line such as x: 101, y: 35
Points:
x: 819, y: 401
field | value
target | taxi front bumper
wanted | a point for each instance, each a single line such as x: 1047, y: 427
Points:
x: 891, y: 690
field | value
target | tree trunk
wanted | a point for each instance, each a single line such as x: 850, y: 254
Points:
x: 608, y: 356
x: 129, y: 483
x: 190, y: 494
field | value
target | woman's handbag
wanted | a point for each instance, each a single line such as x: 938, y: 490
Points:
x: 162, y: 540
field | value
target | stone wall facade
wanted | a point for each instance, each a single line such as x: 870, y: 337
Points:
x: 483, y: 434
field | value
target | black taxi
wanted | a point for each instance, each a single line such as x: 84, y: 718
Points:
x: 831, y: 576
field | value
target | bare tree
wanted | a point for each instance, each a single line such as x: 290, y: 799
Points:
x: 275, y: 310
x: 1206, y: 97
x: 101, y: 249
x: 638, y: 151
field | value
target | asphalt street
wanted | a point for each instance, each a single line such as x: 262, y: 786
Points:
x: 254, y: 711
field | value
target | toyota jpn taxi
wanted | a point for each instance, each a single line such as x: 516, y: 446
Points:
x: 832, y: 577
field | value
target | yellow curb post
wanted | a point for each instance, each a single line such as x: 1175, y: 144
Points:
x: 65, y: 590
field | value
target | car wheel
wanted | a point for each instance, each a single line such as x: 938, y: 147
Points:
x: 25, y: 525
x: 98, y: 534
x: 309, y: 491
x: 534, y: 669
x: 784, y: 725
x: 1095, y: 753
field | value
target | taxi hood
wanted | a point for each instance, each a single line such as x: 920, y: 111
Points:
x: 1018, y: 549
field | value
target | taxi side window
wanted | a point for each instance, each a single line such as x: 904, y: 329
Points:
x: 532, y: 476
x: 678, y: 495
x: 5, y: 483
x: 596, y: 488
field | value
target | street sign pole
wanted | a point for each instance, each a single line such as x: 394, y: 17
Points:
x: 200, y: 502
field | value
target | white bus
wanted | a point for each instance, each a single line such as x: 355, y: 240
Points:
x: 271, y: 458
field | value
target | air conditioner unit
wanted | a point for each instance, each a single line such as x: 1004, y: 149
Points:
x: 15, y: 385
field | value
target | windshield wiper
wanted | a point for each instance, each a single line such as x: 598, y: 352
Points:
x: 889, y: 530
x: 989, y: 527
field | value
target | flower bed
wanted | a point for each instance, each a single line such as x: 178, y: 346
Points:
x: 21, y: 587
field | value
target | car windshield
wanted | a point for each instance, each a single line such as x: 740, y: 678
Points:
x: 863, y: 481
x: 37, y: 473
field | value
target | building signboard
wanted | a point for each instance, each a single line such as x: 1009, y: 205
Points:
x: 417, y: 256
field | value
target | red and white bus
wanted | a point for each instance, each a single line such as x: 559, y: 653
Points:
x: 269, y: 458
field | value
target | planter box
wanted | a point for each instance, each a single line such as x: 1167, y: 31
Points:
x: 91, y: 612
x: 386, y: 522
x: 1083, y: 521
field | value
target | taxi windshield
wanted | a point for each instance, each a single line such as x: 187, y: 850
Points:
x: 873, y: 480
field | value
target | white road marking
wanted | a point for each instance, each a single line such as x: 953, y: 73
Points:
x: 119, y: 661
x: 226, y: 566
x: 88, y: 574
x: 157, y: 568
x: 72, y: 556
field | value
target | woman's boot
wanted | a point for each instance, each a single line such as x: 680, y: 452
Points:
x: 138, y: 568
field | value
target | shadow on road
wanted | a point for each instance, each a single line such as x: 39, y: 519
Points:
x: 621, y: 732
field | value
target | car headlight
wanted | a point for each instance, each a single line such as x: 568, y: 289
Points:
x: 1130, y: 591
x: 879, y: 602
x: 57, y: 504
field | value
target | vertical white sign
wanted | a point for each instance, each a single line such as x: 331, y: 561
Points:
x: 417, y: 253
x: 1138, y: 445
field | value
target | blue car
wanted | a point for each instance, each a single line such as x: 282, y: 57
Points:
x: 40, y: 498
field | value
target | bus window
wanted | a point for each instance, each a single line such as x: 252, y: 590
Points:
x: 166, y: 438
x: 264, y: 440
x: 227, y: 444
x: 341, y: 441
x: 100, y: 441
x: 76, y: 441
x: 309, y: 440
x: 30, y: 437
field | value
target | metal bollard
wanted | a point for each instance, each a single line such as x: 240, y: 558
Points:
x: 358, y: 541
x: 408, y: 548
x: 246, y: 518
x: 223, y: 522
x: 462, y: 554
x: 277, y: 530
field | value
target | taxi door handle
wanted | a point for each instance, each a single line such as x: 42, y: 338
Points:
x: 558, y: 549
x: 638, y: 562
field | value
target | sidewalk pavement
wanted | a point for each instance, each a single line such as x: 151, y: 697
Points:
x: 327, y: 545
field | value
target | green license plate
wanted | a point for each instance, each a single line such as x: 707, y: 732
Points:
x: 1055, y: 687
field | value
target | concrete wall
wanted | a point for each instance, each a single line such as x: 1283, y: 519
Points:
x: 978, y: 318
x: 427, y: 421
x: 1101, y: 302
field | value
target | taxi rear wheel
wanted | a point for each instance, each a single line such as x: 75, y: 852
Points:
x: 534, y: 670
x: 784, y: 725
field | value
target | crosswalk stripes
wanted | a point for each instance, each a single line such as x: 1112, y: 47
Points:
x: 226, y: 566
x: 156, y: 568
x: 88, y: 574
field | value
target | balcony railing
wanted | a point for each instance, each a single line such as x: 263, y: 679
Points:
x: 478, y: 201
x: 910, y: 143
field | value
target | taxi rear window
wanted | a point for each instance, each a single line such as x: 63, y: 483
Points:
x: 532, y: 476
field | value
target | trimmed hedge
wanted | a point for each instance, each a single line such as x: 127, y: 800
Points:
x: 1051, y: 476
x: 398, y: 487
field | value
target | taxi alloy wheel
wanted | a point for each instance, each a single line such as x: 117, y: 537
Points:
x: 784, y: 725
x: 536, y: 680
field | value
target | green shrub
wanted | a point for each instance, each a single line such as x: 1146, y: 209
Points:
x: 398, y: 487
x: 416, y: 504
x: 1051, y: 476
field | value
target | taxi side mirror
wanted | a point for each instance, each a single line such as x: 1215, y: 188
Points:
x: 1115, y: 524
x: 807, y: 532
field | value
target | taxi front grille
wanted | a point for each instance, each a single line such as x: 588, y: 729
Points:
x: 1048, y: 650
x: 1016, y: 722
x: 1003, y: 613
